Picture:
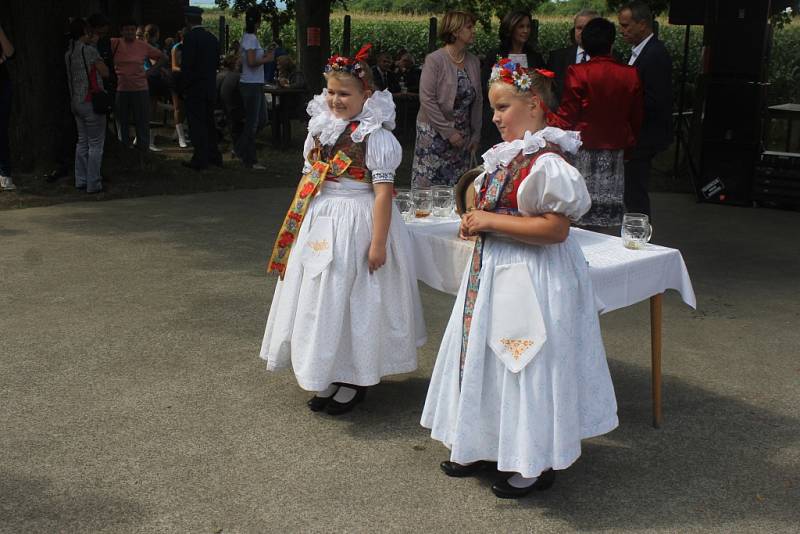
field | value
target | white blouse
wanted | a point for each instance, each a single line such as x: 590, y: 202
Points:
x: 376, y: 121
x: 552, y: 184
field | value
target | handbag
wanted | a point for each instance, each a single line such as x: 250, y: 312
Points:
x: 100, y: 99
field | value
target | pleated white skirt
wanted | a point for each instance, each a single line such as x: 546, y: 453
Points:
x: 330, y: 319
x: 534, y: 419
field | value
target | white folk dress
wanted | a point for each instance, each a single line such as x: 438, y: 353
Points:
x: 531, y: 419
x: 330, y: 319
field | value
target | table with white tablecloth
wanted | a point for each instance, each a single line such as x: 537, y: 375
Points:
x: 620, y: 276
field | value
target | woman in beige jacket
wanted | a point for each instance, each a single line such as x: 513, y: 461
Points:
x: 450, y: 96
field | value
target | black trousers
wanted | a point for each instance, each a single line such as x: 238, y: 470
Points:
x: 637, y: 180
x: 200, y: 115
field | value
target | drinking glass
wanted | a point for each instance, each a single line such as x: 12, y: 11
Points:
x: 636, y: 230
x: 423, y: 201
x: 405, y: 204
x: 443, y: 200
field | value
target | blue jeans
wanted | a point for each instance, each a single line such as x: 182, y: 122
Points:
x: 139, y: 101
x: 255, y: 118
x: 89, y: 150
x: 5, y: 119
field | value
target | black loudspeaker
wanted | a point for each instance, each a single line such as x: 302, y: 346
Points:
x: 687, y: 12
x: 739, y: 38
x: 733, y: 110
x: 727, y: 171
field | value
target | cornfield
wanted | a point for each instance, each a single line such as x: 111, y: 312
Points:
x: 393, y: 32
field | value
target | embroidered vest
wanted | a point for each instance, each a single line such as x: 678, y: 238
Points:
x: 347, y: 158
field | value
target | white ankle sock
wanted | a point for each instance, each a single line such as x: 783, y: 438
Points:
x: 328, y: 392
x: 345, y: 394
x: 519, y: 481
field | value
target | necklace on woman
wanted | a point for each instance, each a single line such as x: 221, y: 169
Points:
x: 455, y: 59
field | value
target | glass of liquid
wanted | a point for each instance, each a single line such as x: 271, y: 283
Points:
x: 636, y: 230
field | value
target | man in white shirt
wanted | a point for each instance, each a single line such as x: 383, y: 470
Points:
x: 651, y: 59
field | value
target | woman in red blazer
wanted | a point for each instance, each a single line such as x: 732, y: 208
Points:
x: 603, y: 100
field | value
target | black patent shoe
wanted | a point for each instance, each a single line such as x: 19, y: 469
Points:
x: 504, y: 490
x: 337, y: 408
x: 453, y: 469
x: 317, y: 404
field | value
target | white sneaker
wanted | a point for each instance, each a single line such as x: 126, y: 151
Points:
x: 154, y: 148
x: 7, y: 184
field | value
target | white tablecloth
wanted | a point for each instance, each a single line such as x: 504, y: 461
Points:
x: 620, y: 276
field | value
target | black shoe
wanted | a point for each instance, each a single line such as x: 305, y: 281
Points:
x: 101, y: 190
x: 80, y: 188
x: 338, y: 408
x: 317, y: 404
x: 194, y: 166
x: 504, y: 490
x: 453, y: 469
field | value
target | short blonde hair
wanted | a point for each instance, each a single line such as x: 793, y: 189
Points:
x: 452, y: 23
x: 366, y: 81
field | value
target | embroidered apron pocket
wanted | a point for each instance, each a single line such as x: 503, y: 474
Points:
x: 516, y: 331
x: 318, y: 249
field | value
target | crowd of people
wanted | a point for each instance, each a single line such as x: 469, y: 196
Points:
x: 619, y: 140
x: 521, y: 376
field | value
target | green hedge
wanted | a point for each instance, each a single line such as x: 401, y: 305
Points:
x: 391, y: 35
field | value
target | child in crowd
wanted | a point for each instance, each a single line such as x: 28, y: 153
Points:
x: 346, y: 311
x: 521, y: 376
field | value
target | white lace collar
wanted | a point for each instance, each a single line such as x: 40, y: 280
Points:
x: 501, y: 154
x: 378, y: 111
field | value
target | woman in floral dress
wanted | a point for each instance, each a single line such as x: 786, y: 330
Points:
x: 449, y: 119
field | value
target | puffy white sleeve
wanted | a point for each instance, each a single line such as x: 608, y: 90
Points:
x: 384, y: 154
x: 553, y: 186
x: 307, y: 147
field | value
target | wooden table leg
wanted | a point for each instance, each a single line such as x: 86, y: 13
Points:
x: 655, y: 355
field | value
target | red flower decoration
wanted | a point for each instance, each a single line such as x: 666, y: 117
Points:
x: 286, y: 239
x: 546, y: 73
x: 307, y: 190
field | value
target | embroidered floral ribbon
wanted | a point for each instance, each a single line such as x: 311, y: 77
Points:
x: 487, y: 200
x: 306, y: 189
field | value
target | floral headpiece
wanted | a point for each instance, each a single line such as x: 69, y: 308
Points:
x: 513, y: 73
x: 350, y: 65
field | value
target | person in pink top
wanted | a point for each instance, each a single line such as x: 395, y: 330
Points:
x: 129, y: 57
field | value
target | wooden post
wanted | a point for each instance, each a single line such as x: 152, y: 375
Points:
x: 313, y: 40
x: 221, y: 32
x: 346, y: 37
x: 655, y: 355
x: 432, y: 35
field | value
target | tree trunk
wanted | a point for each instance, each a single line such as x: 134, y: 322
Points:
x: 313, y: 40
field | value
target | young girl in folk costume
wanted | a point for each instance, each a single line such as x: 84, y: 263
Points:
x: 346, y: 310
x: 521, y: 376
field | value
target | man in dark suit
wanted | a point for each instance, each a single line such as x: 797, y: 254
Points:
x: 558, y: 60
x: 383, y: 75
x: 651, y: 59
x: 199, y: 67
